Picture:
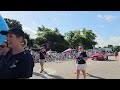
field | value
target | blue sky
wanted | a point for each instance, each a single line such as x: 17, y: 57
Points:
x: 105, y: 24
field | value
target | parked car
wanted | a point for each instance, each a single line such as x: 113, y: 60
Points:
x: 99, y: 56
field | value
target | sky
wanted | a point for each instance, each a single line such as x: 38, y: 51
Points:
x: 105, y: 24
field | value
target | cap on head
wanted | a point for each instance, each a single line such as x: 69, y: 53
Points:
x: 16, y: 31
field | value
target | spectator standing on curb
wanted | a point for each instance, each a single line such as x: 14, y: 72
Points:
x: 81, y: 62
x: 20, y: 64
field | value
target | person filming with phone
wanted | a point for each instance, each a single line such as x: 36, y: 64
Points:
x: 81, y: 62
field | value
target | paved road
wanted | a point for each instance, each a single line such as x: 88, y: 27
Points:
x: 65, y: 70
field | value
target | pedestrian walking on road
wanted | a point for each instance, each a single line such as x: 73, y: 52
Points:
x: 42, y: 58
x: 116, y: 55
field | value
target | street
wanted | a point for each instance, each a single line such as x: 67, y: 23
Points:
x: 109, y: 69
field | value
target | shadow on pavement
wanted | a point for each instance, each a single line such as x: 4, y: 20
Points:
x: 94, y: 76
x: 105, y: 60
x: 38, y: 74
x: 43, y: 76
x: 111, y: 60
x: 54, y: 76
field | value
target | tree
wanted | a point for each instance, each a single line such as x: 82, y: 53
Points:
x: 84, y: 37
x: 105, y: 47
x: 12, y: 23
x: 53, y: 37
x: 116, y: 48
x: 110, y: 46
x: 74, y: 38
x: 56, y: 30
x: 30, y: 41
x: 89, y: 39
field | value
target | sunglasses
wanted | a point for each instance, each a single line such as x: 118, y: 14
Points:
x: 2, y: 46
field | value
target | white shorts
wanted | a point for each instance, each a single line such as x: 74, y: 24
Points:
x: 81, y: 66
x: 42, y: 60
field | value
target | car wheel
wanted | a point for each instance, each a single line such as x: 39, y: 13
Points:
x: 106, y: 58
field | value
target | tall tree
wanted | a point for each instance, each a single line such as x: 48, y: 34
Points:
x: 84, y: 37
x: 116, y: 48
x: 52, y: 37
x: 30, y: 41
x: 110, y: 46
x: 12, y: 23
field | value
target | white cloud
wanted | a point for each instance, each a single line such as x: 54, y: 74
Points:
x: 30, y: 32
x: 101, y: 41
x: 99, y: 16
x: 107, y: 17
x: 112, y: 41
x: 35, y: 25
